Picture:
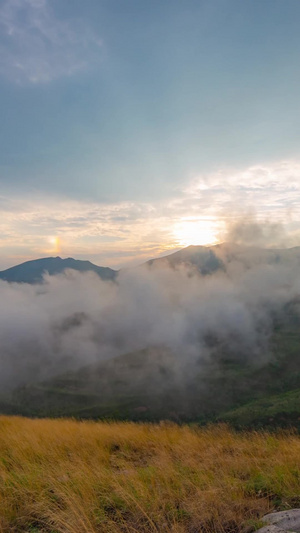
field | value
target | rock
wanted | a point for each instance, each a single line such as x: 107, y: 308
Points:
x: 271, y: 529
x: 286, y: 520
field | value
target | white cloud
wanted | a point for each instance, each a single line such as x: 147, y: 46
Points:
x: 37, y: 47
x: 120, y: 233
x: 109, y: 234
x: 268, y: 189
x: 281, y: 176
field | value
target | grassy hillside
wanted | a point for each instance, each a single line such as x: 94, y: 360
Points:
x: 63, y: 476
x: 150, y: 385
x: 282, y: 410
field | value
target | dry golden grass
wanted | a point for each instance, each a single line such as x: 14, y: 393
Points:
x: 81, y: 477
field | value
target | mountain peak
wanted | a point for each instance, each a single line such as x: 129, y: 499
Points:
x: 34, y: 270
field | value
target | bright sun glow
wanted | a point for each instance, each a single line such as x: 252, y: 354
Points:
x: 195, y: 231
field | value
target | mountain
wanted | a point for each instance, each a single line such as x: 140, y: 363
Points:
x: 33, y: 271
x: 209, y: 259
x: 203, y: 258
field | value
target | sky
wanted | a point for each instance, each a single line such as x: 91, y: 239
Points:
x: 131, y: 128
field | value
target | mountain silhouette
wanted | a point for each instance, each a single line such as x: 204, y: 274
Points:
x: 33, y: 271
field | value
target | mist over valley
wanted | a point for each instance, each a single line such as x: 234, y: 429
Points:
x: 188, y: 336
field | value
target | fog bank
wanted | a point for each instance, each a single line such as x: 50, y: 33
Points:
x: 75, y: 319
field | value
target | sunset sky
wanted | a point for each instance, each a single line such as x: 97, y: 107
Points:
x: 130, y: 128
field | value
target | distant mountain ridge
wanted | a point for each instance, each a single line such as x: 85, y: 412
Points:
x: 33, y: 271
x: 210, y: 259
x: 204, y: 259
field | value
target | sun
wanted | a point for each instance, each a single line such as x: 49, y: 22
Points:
x: 195, y: 231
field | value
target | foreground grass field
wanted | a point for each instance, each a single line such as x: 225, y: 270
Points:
x: 84, y: 477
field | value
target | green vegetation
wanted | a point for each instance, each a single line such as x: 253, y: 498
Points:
x: 150, y: 385
x: 282, y: 410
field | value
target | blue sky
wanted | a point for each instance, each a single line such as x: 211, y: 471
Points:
x: 130, y: 125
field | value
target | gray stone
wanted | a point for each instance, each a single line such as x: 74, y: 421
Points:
x: 271, y: 529
x: 286, y: 520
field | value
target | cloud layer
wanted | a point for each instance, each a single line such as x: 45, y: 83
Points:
x: 227, y: 205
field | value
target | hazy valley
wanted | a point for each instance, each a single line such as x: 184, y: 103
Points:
x: 204, y: 334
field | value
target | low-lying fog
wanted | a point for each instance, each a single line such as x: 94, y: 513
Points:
x: 76, y: 319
